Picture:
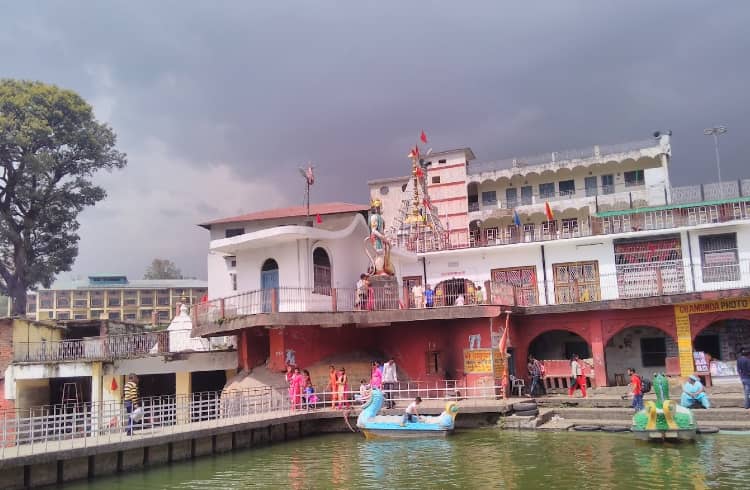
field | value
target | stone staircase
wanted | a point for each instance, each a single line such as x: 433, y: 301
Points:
x: 722, y: 418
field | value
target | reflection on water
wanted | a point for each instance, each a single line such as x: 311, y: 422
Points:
x: 483, y: 458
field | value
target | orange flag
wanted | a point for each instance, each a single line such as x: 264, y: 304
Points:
x: 548, y: 212
x: 423, y: 137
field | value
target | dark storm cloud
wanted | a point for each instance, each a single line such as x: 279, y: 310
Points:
x: 265, y: 87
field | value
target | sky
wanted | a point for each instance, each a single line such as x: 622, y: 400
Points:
x: 218, y: 103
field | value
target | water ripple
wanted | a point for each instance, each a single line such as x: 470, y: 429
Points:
x: 482, y: 458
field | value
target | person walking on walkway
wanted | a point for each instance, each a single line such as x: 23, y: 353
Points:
x: 578, y: 379
x: 743, y: 369
x: 535, y: 371
x: 637, y: 387
x: 390, y: 381
x: 130, y: 396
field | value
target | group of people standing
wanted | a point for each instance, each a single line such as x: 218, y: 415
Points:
x: 383, y: 377
x: 301, y: 391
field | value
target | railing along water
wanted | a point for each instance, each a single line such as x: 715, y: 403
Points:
x: 75, y: 425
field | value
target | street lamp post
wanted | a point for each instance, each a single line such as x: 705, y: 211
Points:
x: 715, y: 132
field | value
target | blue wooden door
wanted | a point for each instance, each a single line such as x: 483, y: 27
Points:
x: 269, y: 281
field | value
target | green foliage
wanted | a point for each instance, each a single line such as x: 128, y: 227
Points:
x: 162, y: 269
x: 51, y: 145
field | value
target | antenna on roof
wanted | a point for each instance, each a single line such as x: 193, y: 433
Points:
x: 309, y: 176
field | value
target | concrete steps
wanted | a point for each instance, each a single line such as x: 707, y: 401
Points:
x: 563, y: 418
x: 717, y: 401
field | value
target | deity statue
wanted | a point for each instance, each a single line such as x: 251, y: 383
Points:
x: 377, y: 246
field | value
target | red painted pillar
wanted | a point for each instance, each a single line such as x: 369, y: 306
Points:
x: 243, y: 351
x: 277, y: 345
x: 597, y: 351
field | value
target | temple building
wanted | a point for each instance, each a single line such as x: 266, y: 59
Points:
x: 590, y: 252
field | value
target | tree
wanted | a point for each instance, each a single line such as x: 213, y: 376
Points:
x: 51, y: 145
x: 162, y: 269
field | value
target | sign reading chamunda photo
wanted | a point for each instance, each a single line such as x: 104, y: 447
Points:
x: 682, y: 323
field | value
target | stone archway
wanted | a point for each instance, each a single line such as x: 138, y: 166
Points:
x: 723, y: 338
x: 555, y: 348
x: 642, y: 347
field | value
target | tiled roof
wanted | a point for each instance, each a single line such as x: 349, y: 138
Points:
x: 292, y: 212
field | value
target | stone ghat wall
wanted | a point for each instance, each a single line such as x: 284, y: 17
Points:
x: 141, y: 453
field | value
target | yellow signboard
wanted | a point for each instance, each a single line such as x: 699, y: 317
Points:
x: 498, y: 362
x: 477, y: 361
x: 682, y: 323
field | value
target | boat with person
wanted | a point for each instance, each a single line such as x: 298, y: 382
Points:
x: 664, y: 419
x: 374, y: 425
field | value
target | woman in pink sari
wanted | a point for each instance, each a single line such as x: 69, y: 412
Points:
x: 288, y: 376
x: 376, y: 378
x: 296, y: 387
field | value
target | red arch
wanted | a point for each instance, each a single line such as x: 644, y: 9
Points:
x: 667, y: 329
x: 701, y: 321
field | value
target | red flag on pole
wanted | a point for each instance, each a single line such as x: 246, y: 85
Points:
x: 318, y: 219
x: 423, y: 137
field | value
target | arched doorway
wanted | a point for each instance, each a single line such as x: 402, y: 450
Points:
x: 447, y: 293
x: 554, y: 349
x: 321, y: 272
x: 643, y: 348
x: 722, y: 339
x: 269, y: 282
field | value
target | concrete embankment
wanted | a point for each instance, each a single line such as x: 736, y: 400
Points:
x: 57, y: 462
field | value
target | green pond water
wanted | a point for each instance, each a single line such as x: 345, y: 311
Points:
x: 480, y: 458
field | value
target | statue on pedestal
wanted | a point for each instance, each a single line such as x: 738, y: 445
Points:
x: 377, y: 246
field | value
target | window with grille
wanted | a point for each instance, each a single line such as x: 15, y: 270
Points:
x: 576, y: 282
x: 567, y: 187
x: 547, y: 191
x: 433, y: 362
x: 634, y: 178
x: 147, y: 298
x: 719, y: 259
x: 649, y: 267
x: 489, y: 197
x: 653, y: 351
x: 321, y: 272
x: 608, y: 184
x: 523, y: 279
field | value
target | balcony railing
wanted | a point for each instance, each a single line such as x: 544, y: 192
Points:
x: 562, y: 156
x: 606, y: 199
x: 132, y: 346
x: 651, y: 279
x: 584, y: 226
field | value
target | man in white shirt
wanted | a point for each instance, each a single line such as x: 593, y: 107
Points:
x: 361, y: 292
x: 411, y: 414
x: 418, y: 294
x: 578, y: 378
x: 390, y: 381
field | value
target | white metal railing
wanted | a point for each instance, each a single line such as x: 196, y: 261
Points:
x: 60, y: 427
x: 128, y: 346
x: 562, y: 156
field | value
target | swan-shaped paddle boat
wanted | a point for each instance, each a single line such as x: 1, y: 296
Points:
x: 375, y: 426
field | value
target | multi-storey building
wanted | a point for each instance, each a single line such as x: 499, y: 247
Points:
x: 593, y: 251
x: 114, y: 297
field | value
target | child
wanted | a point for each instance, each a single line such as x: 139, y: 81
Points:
x: 364, y: 392
x: 411, y: 413
x: 311, y: 399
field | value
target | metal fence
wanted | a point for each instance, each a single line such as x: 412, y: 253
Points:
x: 128, y: 346
x: 67, y: 426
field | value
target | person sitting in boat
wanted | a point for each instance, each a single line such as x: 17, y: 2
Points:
x: 411, y: 415
x: 364, y: 392
x: 694, y: 394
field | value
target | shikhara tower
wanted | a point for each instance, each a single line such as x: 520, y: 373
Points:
x: 417, y: 226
